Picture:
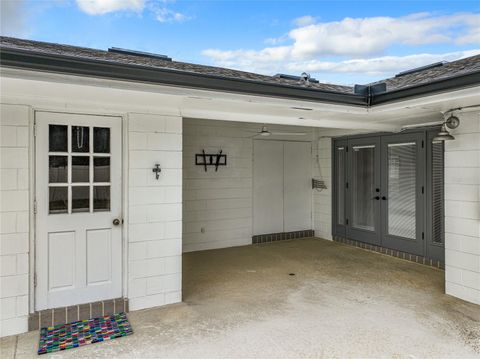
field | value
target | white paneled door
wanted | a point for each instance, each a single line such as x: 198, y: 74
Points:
x: 78, y: 171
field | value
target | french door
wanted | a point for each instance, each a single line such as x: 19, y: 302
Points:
x: 402, y: 192
x: 380, y: 192
x: 363, y: 189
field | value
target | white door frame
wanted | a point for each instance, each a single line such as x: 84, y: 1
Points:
x: 124, y: 193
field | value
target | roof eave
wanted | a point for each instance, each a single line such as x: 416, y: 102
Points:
x: 55, y: 63
x: 451, y: 83
x: 80, y: 66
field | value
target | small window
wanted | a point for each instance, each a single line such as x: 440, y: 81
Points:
x: 101, y: 140
x: 80, y: 139
x: 101, y: 198
x: 80, y: 199
x: 58, y: 200
x: 58, y: 169
x: 57, y: 138
x: 101, y: 169
x: 80, y: 169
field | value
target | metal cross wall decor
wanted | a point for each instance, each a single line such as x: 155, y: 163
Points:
x: 210, y: 159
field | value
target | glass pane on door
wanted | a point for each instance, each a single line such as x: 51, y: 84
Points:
x: 402, y: 171
x: 340, y: 179
x: 363, y: 187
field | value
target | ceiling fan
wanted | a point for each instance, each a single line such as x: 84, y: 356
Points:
x: 265, y: 133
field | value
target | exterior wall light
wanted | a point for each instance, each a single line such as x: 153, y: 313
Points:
x: 452, y: 122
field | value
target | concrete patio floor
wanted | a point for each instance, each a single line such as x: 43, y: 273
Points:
x: 342, y: 302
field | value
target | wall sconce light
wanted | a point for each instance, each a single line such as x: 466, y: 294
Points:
x: 452, y: 122
x: 157, y: 171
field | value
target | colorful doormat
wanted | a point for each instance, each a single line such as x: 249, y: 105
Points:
x: 83, y: 332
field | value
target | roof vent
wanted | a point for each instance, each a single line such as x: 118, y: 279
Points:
x: 421, y: 68
x: 303, y: 78
x: 151, y: 55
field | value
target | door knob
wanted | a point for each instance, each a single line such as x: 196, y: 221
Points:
x: 377, y: 197
x: 116, y: 222
x: 384, y: 198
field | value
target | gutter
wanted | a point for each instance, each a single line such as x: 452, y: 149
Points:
x: 24, y: 59
x: 457, y: 82
x: 369, y: 96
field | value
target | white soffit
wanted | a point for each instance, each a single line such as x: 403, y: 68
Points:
x: 47, y: 88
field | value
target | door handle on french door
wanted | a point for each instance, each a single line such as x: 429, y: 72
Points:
x: 377, y: 197
x: 116, y: 222
x: 384, y: 198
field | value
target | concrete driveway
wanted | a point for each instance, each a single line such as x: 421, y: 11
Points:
x: 298, y: 299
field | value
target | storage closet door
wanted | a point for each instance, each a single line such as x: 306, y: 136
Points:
x: 267, y: 187
x: 297, y: 172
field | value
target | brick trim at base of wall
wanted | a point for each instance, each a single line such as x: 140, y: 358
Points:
x: 56, y: 316
x: 284, y: 236
x: 392, y: 252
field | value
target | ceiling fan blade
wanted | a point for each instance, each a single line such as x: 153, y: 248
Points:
x: 289, y: 133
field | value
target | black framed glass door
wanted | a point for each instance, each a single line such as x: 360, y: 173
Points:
x: 402, y: 185
x: 339, y: 203
x: 388, y: 191
x: 363, y: 190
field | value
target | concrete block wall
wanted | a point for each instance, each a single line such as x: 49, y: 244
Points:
x: 322, y: 201
x: 217, y: 205
x: 155, y: 210
x: 14, y: 219
x: 462, y: 209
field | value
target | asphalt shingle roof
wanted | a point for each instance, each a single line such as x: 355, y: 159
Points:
x: 450, y: 69
x: 94, y: 54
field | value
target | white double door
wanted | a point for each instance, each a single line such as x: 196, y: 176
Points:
x: 282, y: 194
x: 78, y: 225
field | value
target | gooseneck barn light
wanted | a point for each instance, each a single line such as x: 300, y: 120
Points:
x: 452, y: 122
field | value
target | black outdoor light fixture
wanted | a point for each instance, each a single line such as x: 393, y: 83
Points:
x: 452, y: 122
x: 156, y: 169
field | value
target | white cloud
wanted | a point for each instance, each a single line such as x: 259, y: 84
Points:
x: 369, y: 36
x: 378, y: 66
x: 304, y: 20
x: 166, y: 15
x: 100, y: 7
x: 383, y: 66
x: 158, y: 7
x: 357, y: 38
x: 12, y: 17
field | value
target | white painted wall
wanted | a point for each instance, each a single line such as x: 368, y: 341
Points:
x: 221, y: 202
x: 14, y: 219
x: 462, y: 209
x: 155, y: 210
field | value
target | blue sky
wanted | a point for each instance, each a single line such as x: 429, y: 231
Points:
x: 335, y: 41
